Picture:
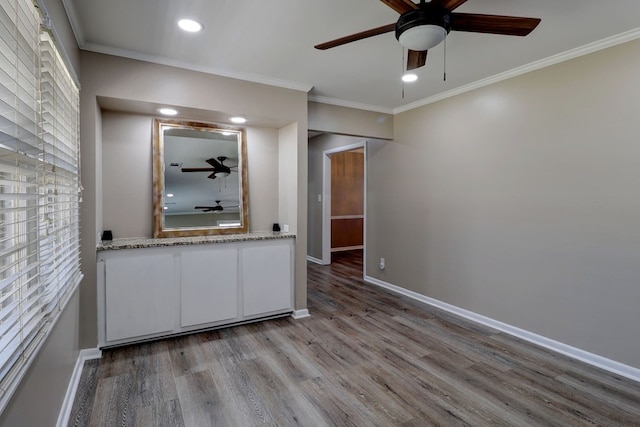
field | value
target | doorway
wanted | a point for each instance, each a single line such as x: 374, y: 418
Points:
x: 344, y: 200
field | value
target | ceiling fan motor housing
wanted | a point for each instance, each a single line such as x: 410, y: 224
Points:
x: 425, y: 18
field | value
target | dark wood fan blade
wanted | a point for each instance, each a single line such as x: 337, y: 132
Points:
x: 197, y: 169
x: 400, y: 6
x: 215, y: 163
x: 416, y: 59
x: 203, y: 207
x: 448, y: 4
x: 212, y: 176
x: 493, y: 24
x: 358, y: 36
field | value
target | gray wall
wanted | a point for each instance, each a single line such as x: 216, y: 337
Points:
x: 349, y: 121
x: 519, y: 201
x: 39, y: 397
x: 317, y: 146
x: 45, y: 383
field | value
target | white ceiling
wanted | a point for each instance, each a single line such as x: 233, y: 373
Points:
x: 272, y: 42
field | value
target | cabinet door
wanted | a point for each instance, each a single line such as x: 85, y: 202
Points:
x: 139, y: 295
x: 266, y: 279
x: 209, y: 286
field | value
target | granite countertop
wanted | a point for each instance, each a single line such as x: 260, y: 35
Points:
x: 138, y: 243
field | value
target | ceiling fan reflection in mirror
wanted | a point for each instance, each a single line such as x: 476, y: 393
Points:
x: 218, y: 168
x: 218, y: 208
x: 424, y: 25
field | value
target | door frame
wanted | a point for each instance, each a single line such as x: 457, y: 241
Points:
x: 326, y: 200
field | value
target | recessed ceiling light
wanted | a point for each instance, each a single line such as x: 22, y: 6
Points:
x: 190, y: 25
x: 170, y: 195
x: 165, y: 208
x: 409, y: 78
x: 167, y: 111
x: 238, y: 120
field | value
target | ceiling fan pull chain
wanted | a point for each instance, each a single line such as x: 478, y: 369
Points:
x: 402, y: 69
x: 445, y: 59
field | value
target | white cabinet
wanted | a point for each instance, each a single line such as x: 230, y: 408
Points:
x: 139, y: 298
x: 151, y: 292
x: 209, y: 286
x: 266, y: 279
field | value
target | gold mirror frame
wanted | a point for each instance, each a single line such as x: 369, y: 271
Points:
x: 201, y: 133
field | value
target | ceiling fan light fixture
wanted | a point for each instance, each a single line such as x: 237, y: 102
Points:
x: 422, y: 37
x: 229, y: 224
x: 221, y: 173
x: 423, y: 28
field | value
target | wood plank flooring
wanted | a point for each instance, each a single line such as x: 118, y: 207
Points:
x: 365, y: 357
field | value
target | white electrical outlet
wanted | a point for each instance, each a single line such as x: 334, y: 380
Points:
x: 382, y: 264
x: 319, y: 197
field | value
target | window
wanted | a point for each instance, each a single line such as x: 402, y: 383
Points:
x: 39, y: 188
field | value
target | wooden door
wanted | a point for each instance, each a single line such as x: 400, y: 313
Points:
x: 347, y: 200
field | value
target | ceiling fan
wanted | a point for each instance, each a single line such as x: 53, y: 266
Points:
x: 424, y: 25
x: 215, y: 209
x: 218, y: 169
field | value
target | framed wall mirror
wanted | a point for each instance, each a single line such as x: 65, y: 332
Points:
x: 199, y: 179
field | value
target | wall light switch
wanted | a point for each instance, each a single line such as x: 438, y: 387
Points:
x: 319, y: 197
x: 286, y: 228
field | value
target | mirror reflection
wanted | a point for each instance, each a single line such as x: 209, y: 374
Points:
x: 199, y: 179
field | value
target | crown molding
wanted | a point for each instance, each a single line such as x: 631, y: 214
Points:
x: 253, y: 78
x: 533, y: 66
x: 78, y: 32
x: 552, y: 60
x: 349, y: 104
x: 98, y: 48
x: 76, y: 27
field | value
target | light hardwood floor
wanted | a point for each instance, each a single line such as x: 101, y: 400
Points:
x: 365, y: 357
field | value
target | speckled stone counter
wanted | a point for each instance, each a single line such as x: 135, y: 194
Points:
x: 137, y: 243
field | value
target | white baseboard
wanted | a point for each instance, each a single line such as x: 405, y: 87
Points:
x: 300, y: 314
x: 314, y: 260
x: 67, y: 404
x: 573, y: 352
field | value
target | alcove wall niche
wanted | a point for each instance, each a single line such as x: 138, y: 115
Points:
x: 127, y: 204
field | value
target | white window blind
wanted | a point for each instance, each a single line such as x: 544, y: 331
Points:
x: 39, y: 188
